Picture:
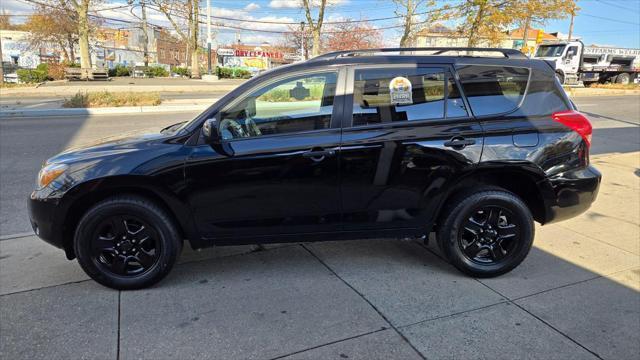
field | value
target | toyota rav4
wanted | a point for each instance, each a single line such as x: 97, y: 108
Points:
x: 472, y: 144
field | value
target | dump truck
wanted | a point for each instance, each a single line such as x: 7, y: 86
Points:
x: 576, y: 63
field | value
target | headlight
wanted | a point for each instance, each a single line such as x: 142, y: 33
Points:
x: 49, y: 173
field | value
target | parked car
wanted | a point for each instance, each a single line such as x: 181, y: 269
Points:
x: 474, y: 146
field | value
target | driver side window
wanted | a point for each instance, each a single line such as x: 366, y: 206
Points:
x: 295, y: 104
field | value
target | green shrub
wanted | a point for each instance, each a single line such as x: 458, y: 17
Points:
x: 242, y: 74
x: 223, y: 72
x: 182, y: 71
x: 232, y: 73
x: 44, y: 67
x: 156, y: 71
x: 119, y: 70
x: 32, y: 75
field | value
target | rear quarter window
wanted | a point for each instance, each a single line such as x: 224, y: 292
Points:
x: 493, y: 90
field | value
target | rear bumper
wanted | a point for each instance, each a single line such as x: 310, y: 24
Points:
x: 574, y: 191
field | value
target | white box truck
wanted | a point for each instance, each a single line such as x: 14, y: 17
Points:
x: 574, y: 62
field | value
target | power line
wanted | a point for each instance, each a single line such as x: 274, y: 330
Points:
x: 288, y: 22
x: 608, y: 19
x: 616, y: 5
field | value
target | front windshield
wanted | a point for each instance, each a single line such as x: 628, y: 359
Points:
x: 550, y: 50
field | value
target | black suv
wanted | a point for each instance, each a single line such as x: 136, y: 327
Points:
x: 474, y: 144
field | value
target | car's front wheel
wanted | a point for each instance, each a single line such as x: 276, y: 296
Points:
x: 126, y: 242
x: 487, y: 233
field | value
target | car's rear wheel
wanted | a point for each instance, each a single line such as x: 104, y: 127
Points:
x: 487, y: 233
x: 127, y: 242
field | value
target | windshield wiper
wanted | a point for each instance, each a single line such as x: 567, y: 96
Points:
x: 171, y: 128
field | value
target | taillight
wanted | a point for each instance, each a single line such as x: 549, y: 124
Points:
x: 577, y: 122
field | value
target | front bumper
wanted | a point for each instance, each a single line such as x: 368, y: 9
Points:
x: 44, y: 217
x: 574, y: 191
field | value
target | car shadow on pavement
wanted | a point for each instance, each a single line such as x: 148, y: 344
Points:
x: 615, y: 140
x: 573, y: 297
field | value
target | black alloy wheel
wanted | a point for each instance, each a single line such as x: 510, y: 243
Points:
x: 486, y: 233
x: 489, y: 235
x: 127, y: 242
x: 125, y: 245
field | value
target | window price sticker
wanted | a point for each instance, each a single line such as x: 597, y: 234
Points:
x: 400, y: 91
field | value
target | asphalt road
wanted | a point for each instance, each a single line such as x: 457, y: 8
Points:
x: 26, y: 142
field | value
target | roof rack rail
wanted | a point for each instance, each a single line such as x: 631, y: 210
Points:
x: 508, y: 53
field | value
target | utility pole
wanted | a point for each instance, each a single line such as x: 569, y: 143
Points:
x: 145, y: 46
x: 525, y: 37
x: 573, y: 13
x: 1, y: 64
x: 209, y: 37
x: 302, y: 55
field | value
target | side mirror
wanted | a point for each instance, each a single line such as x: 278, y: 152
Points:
x: 211, y: 131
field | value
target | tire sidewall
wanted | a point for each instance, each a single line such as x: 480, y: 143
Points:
x: 463, y: 211
x: 623, y: 78
x: 167, y: 241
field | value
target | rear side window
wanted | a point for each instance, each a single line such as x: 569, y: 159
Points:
x: 493, y: 90
x: 404, y: 94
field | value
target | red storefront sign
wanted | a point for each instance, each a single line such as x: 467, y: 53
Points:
x: 259, y: 53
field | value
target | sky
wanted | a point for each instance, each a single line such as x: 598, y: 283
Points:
x: 602, y: 22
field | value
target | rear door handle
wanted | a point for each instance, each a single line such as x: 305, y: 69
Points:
x: 318, y: 155
x: 459, y: 143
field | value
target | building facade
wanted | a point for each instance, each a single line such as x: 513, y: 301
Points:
x: 443, y: 36
x: 17, y: 51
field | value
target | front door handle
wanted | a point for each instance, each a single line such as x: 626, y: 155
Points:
x: 318, y: 155
x: 459, y: 142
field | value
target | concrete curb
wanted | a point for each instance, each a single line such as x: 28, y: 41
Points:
x: 101, y: 111
x: 577, y: 92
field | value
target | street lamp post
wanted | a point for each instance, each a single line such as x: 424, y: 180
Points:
x: 302, y: 41
x: 209, y: 37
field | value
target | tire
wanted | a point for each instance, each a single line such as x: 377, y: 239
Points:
x: 589, y: 83
x: 623, y: 78
x: 127, y: 242
x: 463, y: 233
x: 560, y: 77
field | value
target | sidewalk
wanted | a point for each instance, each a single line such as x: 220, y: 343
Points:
x: 64, y: 88
x: 575, y: 297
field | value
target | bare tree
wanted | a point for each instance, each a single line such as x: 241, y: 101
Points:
x: 352, y: 36
x: 407, y: 10
x: 189, y: 10
x: 295, y: 39
x: 315, y: 26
